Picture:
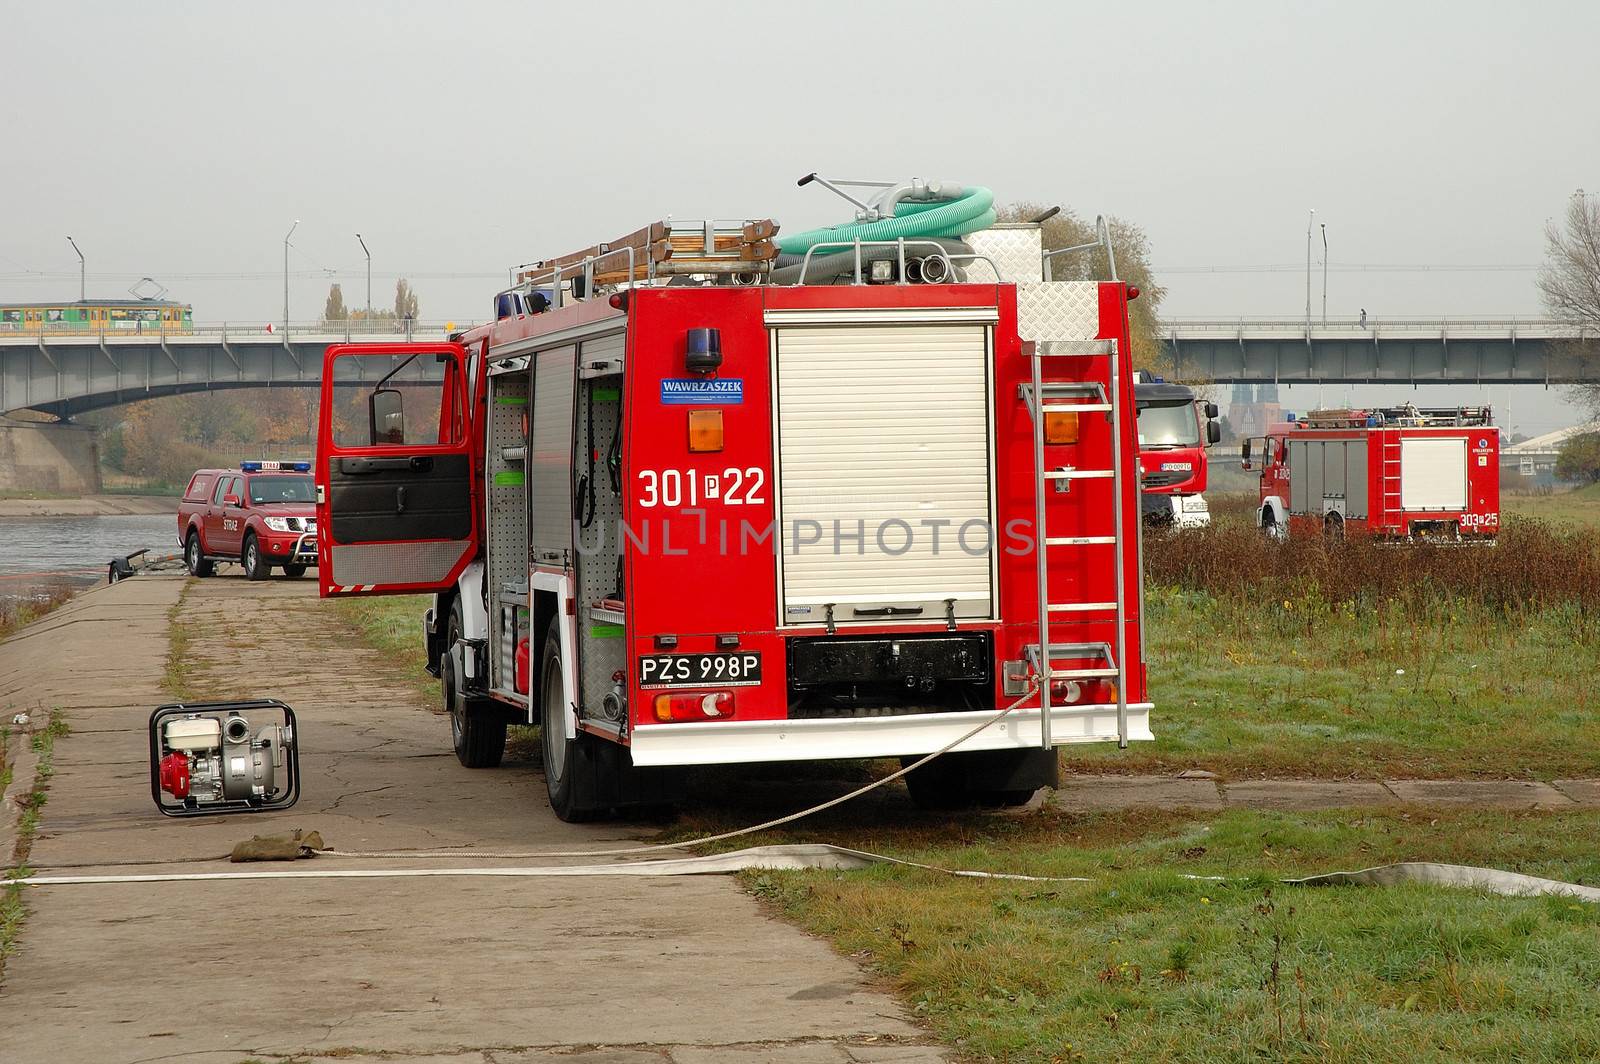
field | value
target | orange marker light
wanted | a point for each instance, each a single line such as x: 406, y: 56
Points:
x: 1060, y: 426
x: 705, y: 431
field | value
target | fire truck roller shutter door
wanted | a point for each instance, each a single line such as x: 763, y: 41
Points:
x: 551, y: 445
x: 1297, y: 481
x: 884, y: 430
x: 1355, y: 465
x: 1433, y: 473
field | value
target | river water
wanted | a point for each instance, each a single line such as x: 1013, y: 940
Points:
x: 39, y: 550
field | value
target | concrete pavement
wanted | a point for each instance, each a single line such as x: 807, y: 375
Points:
x: 591, y: 970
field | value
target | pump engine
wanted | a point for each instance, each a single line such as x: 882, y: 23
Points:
x: 221, y: 757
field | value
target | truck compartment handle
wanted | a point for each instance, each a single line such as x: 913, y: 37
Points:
x: 400, y: 500
x: 419, y: 463
x: 887, y: 611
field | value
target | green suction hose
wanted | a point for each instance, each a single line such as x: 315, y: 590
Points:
x: 968, y: 213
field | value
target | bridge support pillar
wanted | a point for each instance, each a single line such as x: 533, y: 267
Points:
x: 48, y: 457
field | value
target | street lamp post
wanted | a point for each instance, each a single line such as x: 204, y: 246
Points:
x: 1310, y: 220
x: 1324, y: 275
x: 286, y: 237
x: 81, y: 286
x: 369, y: 279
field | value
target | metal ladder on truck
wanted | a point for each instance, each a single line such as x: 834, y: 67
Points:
x: 1389, y: 454
x: 1093, y: 660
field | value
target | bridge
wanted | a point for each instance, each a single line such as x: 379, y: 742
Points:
x: 66, y: 373
x: 1381, y: 351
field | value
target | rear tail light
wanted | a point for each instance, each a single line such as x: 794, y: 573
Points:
x: 1060, y: 426
x: 700, y: 705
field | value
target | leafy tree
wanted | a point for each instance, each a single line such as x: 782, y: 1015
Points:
x: 405, y: 300
x: 1132, y: 248
x: 1579, y: 458
x: 1570, y: 282
x: 334, y: 309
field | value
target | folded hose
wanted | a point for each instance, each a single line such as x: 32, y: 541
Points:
x: 914, y: 220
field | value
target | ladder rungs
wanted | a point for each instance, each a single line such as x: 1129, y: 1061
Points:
x: 1081, y: 607
x: 1083, y: 674
x: 1079, y: 474
x: 1077, y: 541
x: 1080, y: 407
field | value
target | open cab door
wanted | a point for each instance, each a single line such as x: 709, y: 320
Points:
x: 394, y: 469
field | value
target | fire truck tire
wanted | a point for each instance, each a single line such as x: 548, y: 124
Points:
x: 194, y: 558
x: 1333, y: 528
x: 255, y: 564
x: 982, y: 778
x: 477, y: 733
x: 294, y: 572
x: 570, y: 765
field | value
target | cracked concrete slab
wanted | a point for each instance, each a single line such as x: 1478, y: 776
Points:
x: 1307, y: 794
x: 459, y: 970
x: 1135, y: 792
x: 1482, y: 794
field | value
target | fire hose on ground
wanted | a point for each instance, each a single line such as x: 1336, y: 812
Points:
x: 778, y: 857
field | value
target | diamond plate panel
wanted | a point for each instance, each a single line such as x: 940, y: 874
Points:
x: 1015, y: 250
x: 397, y: 563
x: 1058, y: 310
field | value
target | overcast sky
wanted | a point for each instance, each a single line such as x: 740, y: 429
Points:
x: 181, y: 140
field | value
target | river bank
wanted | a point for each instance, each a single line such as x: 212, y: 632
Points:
x: 89, y: 506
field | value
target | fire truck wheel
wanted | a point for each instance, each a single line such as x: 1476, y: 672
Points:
x: 194, y: 559
x: 478, y: 735
x: 1333, y: 528
x: 982, y: 778
x: 569, y: 764
x: 294, y: 572
x: 255, y: 566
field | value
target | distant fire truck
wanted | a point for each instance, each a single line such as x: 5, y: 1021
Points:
x: 1174, y: 431
x: 1402, y: 473
x: 702, y: 496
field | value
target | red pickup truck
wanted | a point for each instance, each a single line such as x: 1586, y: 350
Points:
x: 261, y: 515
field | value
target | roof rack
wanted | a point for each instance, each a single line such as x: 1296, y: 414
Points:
x: 1406, y: 416
x: 661, y: 249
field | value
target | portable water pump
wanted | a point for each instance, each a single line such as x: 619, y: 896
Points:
x: 223, y: 757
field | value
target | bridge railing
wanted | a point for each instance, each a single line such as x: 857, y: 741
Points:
x: 349, y: 330
x: 1506, y: 325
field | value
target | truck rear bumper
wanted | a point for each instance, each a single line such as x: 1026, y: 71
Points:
x: 754, y: 741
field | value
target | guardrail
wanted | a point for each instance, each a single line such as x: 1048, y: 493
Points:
x: 1510, y: 325
x: 349, y: 330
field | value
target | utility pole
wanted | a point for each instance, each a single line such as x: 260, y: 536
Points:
x: 369, y: 277
x: 81, y: 285
x: 1324, y: 275
x: 286, y: 237
x: 1310, y: 220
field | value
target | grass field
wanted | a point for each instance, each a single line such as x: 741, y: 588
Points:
x: 1580, y: 507
x: 1144, y: 963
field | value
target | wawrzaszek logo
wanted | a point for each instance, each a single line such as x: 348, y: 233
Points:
x: 689, y: 391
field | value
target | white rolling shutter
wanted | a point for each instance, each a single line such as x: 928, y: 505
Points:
x: 1433, y: 473
x: 883, y: 430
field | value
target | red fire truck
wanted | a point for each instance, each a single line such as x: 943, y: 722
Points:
x: 686, y: 502
x: 1174, y: 431
x: 1400, y: 473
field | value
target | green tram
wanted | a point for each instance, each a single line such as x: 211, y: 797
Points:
x: 97, y: 316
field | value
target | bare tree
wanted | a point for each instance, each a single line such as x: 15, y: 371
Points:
x: 1570, y: 283
x: 405, y: 300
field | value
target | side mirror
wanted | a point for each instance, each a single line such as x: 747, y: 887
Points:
x: 1213, y: 432
x: 386, y: 414
x: 1244, y: 455
x: 230, y: 500
x: 1211, y: 411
